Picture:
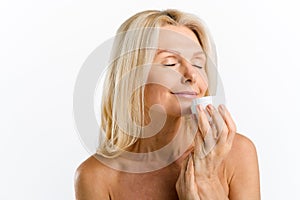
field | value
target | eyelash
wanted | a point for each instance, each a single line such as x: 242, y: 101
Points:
x: 170, y: 65
x: 198, y: 66
x: 173, y: 64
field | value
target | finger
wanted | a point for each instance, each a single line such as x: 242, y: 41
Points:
x: 229, y: 122
x: 199, y: 150
x: 227, y: 117
x: 190, y: 180
x: 184, y: 167
x: 210, y: 139
x: 221, y: 126
x: 203, y: 123
x: 190, y: 172
x: 218, y: 124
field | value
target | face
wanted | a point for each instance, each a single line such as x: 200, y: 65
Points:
x: 177, y: 75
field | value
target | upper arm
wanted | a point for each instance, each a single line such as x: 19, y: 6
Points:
x: 89, y: 184
x: 244, y: 183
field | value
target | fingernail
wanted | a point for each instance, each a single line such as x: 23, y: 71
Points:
x: 210, y: 107
x: 222, y: 108
x: 200, y: 107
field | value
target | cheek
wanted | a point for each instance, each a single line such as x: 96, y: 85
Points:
x: 202, y: 82
x: 157, y: 94
x: 154, y: 94
x: 164, y: 77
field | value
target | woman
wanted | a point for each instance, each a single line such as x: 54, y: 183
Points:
x: 161, y: 61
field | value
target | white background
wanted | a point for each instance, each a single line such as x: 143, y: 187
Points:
x: 44, y: 43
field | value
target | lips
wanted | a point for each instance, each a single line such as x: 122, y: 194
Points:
x: 186, y: 94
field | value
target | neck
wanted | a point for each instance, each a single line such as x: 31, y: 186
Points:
x: 160, y: 134
x: 160, y: 131
x: 171, y: 144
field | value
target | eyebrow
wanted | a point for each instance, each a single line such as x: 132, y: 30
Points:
x: 168, y: 51
x: 177, y: 52
x: 199, y: 53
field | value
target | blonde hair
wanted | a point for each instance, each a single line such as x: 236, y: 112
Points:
x: 122, y: 108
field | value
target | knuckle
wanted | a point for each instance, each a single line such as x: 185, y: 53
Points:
x: 224, y: 131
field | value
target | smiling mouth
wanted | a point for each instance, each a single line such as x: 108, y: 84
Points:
x: 186, y: 94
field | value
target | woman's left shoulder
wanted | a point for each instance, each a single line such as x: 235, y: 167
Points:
x: 242, y: 171
x: 242, y: 161
x: 242, y: 146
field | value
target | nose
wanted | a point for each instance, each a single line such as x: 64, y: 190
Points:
x: 188, y: 72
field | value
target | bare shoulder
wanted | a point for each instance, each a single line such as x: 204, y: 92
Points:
x: 91, y: 180
x: 243, y: 146
x: 243, y: 170
x: 242, y: 154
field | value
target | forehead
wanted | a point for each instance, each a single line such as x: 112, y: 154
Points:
x: 179, y: 39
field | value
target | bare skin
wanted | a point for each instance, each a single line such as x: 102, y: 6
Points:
x: 229, y: 171
x: 95, y: 180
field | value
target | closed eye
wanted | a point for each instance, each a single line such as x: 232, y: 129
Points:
x: 170, y: 65
x: 198, y: 66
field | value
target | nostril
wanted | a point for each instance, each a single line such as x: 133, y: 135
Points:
x: 188, y: 80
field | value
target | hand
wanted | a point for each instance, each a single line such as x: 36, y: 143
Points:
x: 214, y: 141
x: 185, y: 185
x: 198, y: 178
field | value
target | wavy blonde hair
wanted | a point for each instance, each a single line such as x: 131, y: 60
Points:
x: 122, y: 108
